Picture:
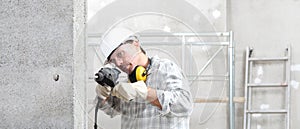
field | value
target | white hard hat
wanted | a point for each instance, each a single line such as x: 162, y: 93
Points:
x: 113, y: 38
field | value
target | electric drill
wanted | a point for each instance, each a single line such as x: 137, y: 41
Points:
x: 107, y: 76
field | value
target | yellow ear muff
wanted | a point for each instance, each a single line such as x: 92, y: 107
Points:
x: 141, y: 73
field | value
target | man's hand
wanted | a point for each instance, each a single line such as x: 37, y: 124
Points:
x: 129, y: 91
x: 103, y: 91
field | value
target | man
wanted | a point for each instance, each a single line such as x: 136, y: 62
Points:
x: 163, y: 101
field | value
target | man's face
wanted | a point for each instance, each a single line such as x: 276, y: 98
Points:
x: 123, y: 57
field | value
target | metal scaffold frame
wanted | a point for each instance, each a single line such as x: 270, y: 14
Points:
x: 228, y: 36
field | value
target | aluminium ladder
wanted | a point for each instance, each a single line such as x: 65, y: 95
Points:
x: 248, y: 111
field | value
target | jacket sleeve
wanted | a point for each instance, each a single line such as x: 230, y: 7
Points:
x: 110, y: 106
x: 175, y: 97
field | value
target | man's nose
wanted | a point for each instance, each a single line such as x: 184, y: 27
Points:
x: 119, y: 62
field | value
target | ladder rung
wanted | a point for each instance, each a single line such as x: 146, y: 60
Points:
x: 269, y: 59
x: 267, y: 111
x: 267, y: 84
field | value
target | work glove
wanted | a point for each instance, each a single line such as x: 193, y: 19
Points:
x: 129, y: 91
x: 103, y: 91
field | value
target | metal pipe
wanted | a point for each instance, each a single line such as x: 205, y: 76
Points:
x: 197, y: 43
x: 98, y: 56
x: 206, y: 65
x: 269, y: 59
x: 288, y: 75
x: 219, y: 100
x: 231, y: 81
x: 268, y: 85
x: 250, y: 89
x: 219, y: 34
x: 174, y: 43
x: 217, y: 75
x: 246, y: 89
x: 208, y: 77
x: 268, y: 111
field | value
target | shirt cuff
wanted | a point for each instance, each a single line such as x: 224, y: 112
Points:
x: 164, y: 99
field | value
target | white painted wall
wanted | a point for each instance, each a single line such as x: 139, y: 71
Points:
x: 269, y: 27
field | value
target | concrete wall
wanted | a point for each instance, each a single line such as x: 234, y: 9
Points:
x: 79, y: 62
x: 269, y: 27
x: 41, y: 39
